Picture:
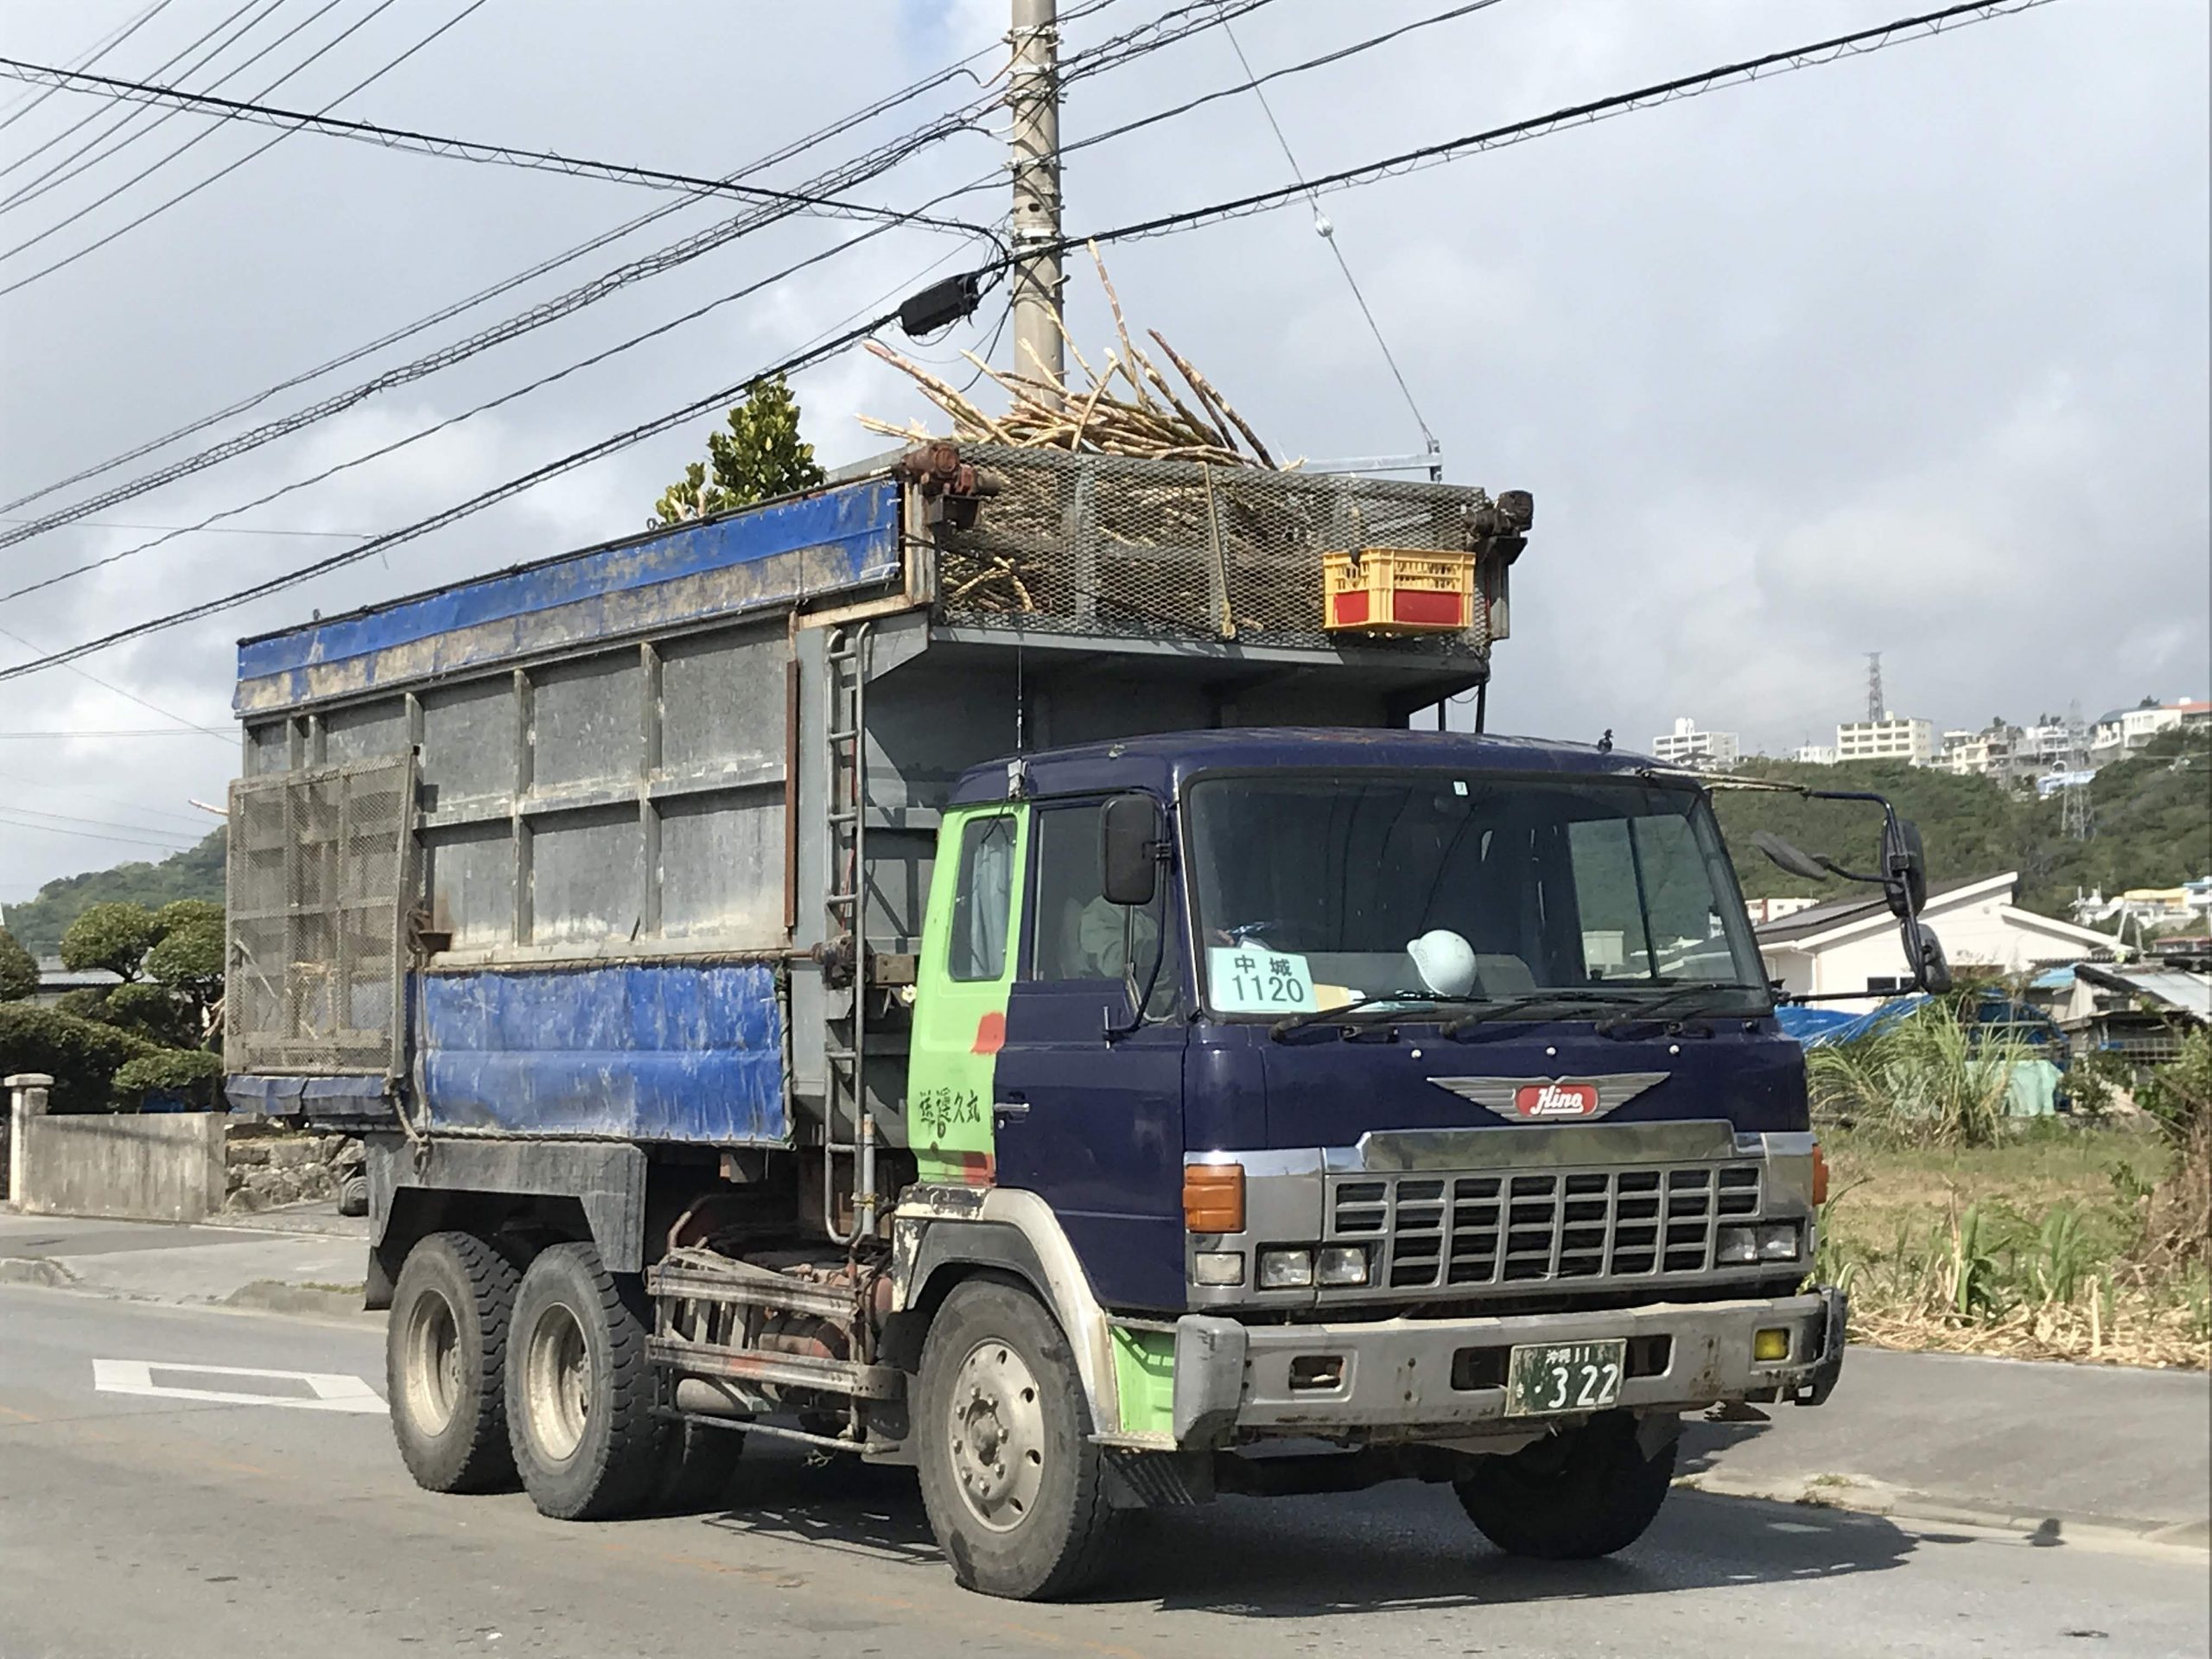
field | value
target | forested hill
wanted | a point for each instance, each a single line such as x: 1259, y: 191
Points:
x: 196, y: 873
x: 2152, y: 819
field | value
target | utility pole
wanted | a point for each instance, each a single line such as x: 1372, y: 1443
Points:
x: 1033, y: 98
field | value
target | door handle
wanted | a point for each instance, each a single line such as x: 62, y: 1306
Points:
x: 1004, y: 1110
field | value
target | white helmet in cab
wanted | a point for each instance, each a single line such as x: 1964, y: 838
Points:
x: 1445, y: 961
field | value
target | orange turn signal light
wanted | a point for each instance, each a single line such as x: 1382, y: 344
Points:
x: 1213, y: 1198
x: 1819, y: 1176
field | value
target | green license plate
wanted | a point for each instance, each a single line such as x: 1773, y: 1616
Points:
x: 1545, y: 1379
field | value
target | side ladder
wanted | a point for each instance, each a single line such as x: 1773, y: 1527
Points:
x: 844, y: 1100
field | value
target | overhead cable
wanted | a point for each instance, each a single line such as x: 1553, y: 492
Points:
x: 466, y: 150
x: 1327, y: 231
x: 99, y: 49
x: 161, y: 68
x: 720, y: 398
x: 124, y: 229
x: 436, y: 427
x: 1830, y: 50
x: 874, y: 163
x: 1858, y: 43
x: 31, y: 189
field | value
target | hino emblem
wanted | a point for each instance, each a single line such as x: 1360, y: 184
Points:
x: 1552, y: 1099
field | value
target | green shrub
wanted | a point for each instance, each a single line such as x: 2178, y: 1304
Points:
x: 81, y: 1056
x: 18, y: 970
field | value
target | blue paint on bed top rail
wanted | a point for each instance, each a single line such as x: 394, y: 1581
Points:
x: 841, y: 539
x: 670, y: 1052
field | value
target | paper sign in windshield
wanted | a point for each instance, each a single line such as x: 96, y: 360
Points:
x: 1245, y: 979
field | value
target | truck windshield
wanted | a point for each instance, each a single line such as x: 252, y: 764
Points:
x: 1314, y: 892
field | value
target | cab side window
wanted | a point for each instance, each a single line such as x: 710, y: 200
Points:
x: 982, y: 898
x: 1079, y: 934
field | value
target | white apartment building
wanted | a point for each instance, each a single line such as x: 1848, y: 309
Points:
x: 1812, y: 754
x: 1893, y: 737
x: 1967, y: 753
x: 1685, y: 746
x: 2128, y: 731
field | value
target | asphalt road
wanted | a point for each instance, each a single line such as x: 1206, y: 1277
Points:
x: 161, y: 1524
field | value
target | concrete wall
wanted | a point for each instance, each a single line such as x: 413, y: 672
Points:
x: 154, y: 1166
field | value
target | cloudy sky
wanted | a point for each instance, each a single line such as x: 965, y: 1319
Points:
x: 1904, y: 353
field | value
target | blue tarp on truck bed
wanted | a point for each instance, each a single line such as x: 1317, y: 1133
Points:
x: 646, y: 1051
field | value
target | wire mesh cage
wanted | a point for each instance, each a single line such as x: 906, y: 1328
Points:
x: 1106, y: 544
x: 320, y: 886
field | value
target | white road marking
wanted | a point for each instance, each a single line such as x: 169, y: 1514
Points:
x: 328, y: 1390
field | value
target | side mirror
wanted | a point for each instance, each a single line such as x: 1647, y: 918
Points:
x: 1128, y: 850
x: 1788, y: 857
x: 1935, y: 966
x: 1905, y: 865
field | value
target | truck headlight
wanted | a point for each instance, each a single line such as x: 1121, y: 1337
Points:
x: 1286, y: 1269
x: 1342, y: 1264
x: 1736, y: 1247
x: 1218, y: 1268
x: 1778, y: 1243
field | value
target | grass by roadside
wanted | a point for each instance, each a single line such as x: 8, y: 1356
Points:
x: 2036, y: 1245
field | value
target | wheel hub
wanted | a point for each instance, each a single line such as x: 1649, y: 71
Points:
x: 557, y: 1376
x: 996, y: 1433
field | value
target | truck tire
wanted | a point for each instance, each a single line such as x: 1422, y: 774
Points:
x: 445, y: 1362
x: 1572, y: 1496
x: 353, y: 1195
x: 1010, y: 1476
x: 580, y: 1389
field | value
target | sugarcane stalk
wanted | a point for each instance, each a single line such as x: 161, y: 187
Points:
x: 1206, y: 390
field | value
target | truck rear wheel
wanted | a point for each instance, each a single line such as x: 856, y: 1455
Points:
x: 579, y: 1391
x: 445, y: 1358
x: 1571, y: 1497
x: 1010, y: 1476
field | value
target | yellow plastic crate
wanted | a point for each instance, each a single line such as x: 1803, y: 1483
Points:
x: 1398, y: 590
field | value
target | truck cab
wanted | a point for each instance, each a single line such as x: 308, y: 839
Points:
x: 1416, y: 1092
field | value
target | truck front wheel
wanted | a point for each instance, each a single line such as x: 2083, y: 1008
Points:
x: 445, y: 1360
x: 580, y: 1389
x: 1010, y: 1476
x: 1571, y: 1497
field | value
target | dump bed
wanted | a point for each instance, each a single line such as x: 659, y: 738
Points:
x: 615, y: 844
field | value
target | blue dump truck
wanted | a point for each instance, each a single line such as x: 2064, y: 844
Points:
x: 968, y: 967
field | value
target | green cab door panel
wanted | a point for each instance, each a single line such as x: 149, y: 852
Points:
x: 968, y: 959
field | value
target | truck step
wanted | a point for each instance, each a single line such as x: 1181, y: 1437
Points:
x: 845, y: 1376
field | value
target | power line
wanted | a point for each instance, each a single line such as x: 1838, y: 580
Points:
x: 1685, y: 86
x: 63, y: 264
x: 1858, y: 43
x: 1327, y: 232
x: 33, y: 188
x: 177, y: 836
x: 47, y: 786
x: 426, y: 144
x: 90, y: 679
x: 162, y: 67
x: 720, y: 399
x: 1109, y: 54
x: 95, y: 835
x: 240, y: 530
x: 134, y: 731
x: 421, y: 433
x: 107, y: 43
x: 446, y: 314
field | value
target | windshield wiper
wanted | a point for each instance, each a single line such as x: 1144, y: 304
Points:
x: 1513, y: 1004
x: 1669, y: 1007
x: 1377, y: 1007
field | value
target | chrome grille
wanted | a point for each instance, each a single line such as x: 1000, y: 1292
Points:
x: 1642, y: 1222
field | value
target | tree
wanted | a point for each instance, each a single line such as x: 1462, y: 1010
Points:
x: 114, y: 936
x: 761, y: 455
x: 187, y: 961
x: 81, y: 1056
x: 191, y: 1073
x: 18, y: 970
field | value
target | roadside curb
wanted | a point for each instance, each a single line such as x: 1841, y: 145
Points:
x: 274, y: 1296
x: 1860, y: 1495
x: 36, y: 1270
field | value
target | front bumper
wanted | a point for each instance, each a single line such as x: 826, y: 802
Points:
x: 1402, y: 1379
